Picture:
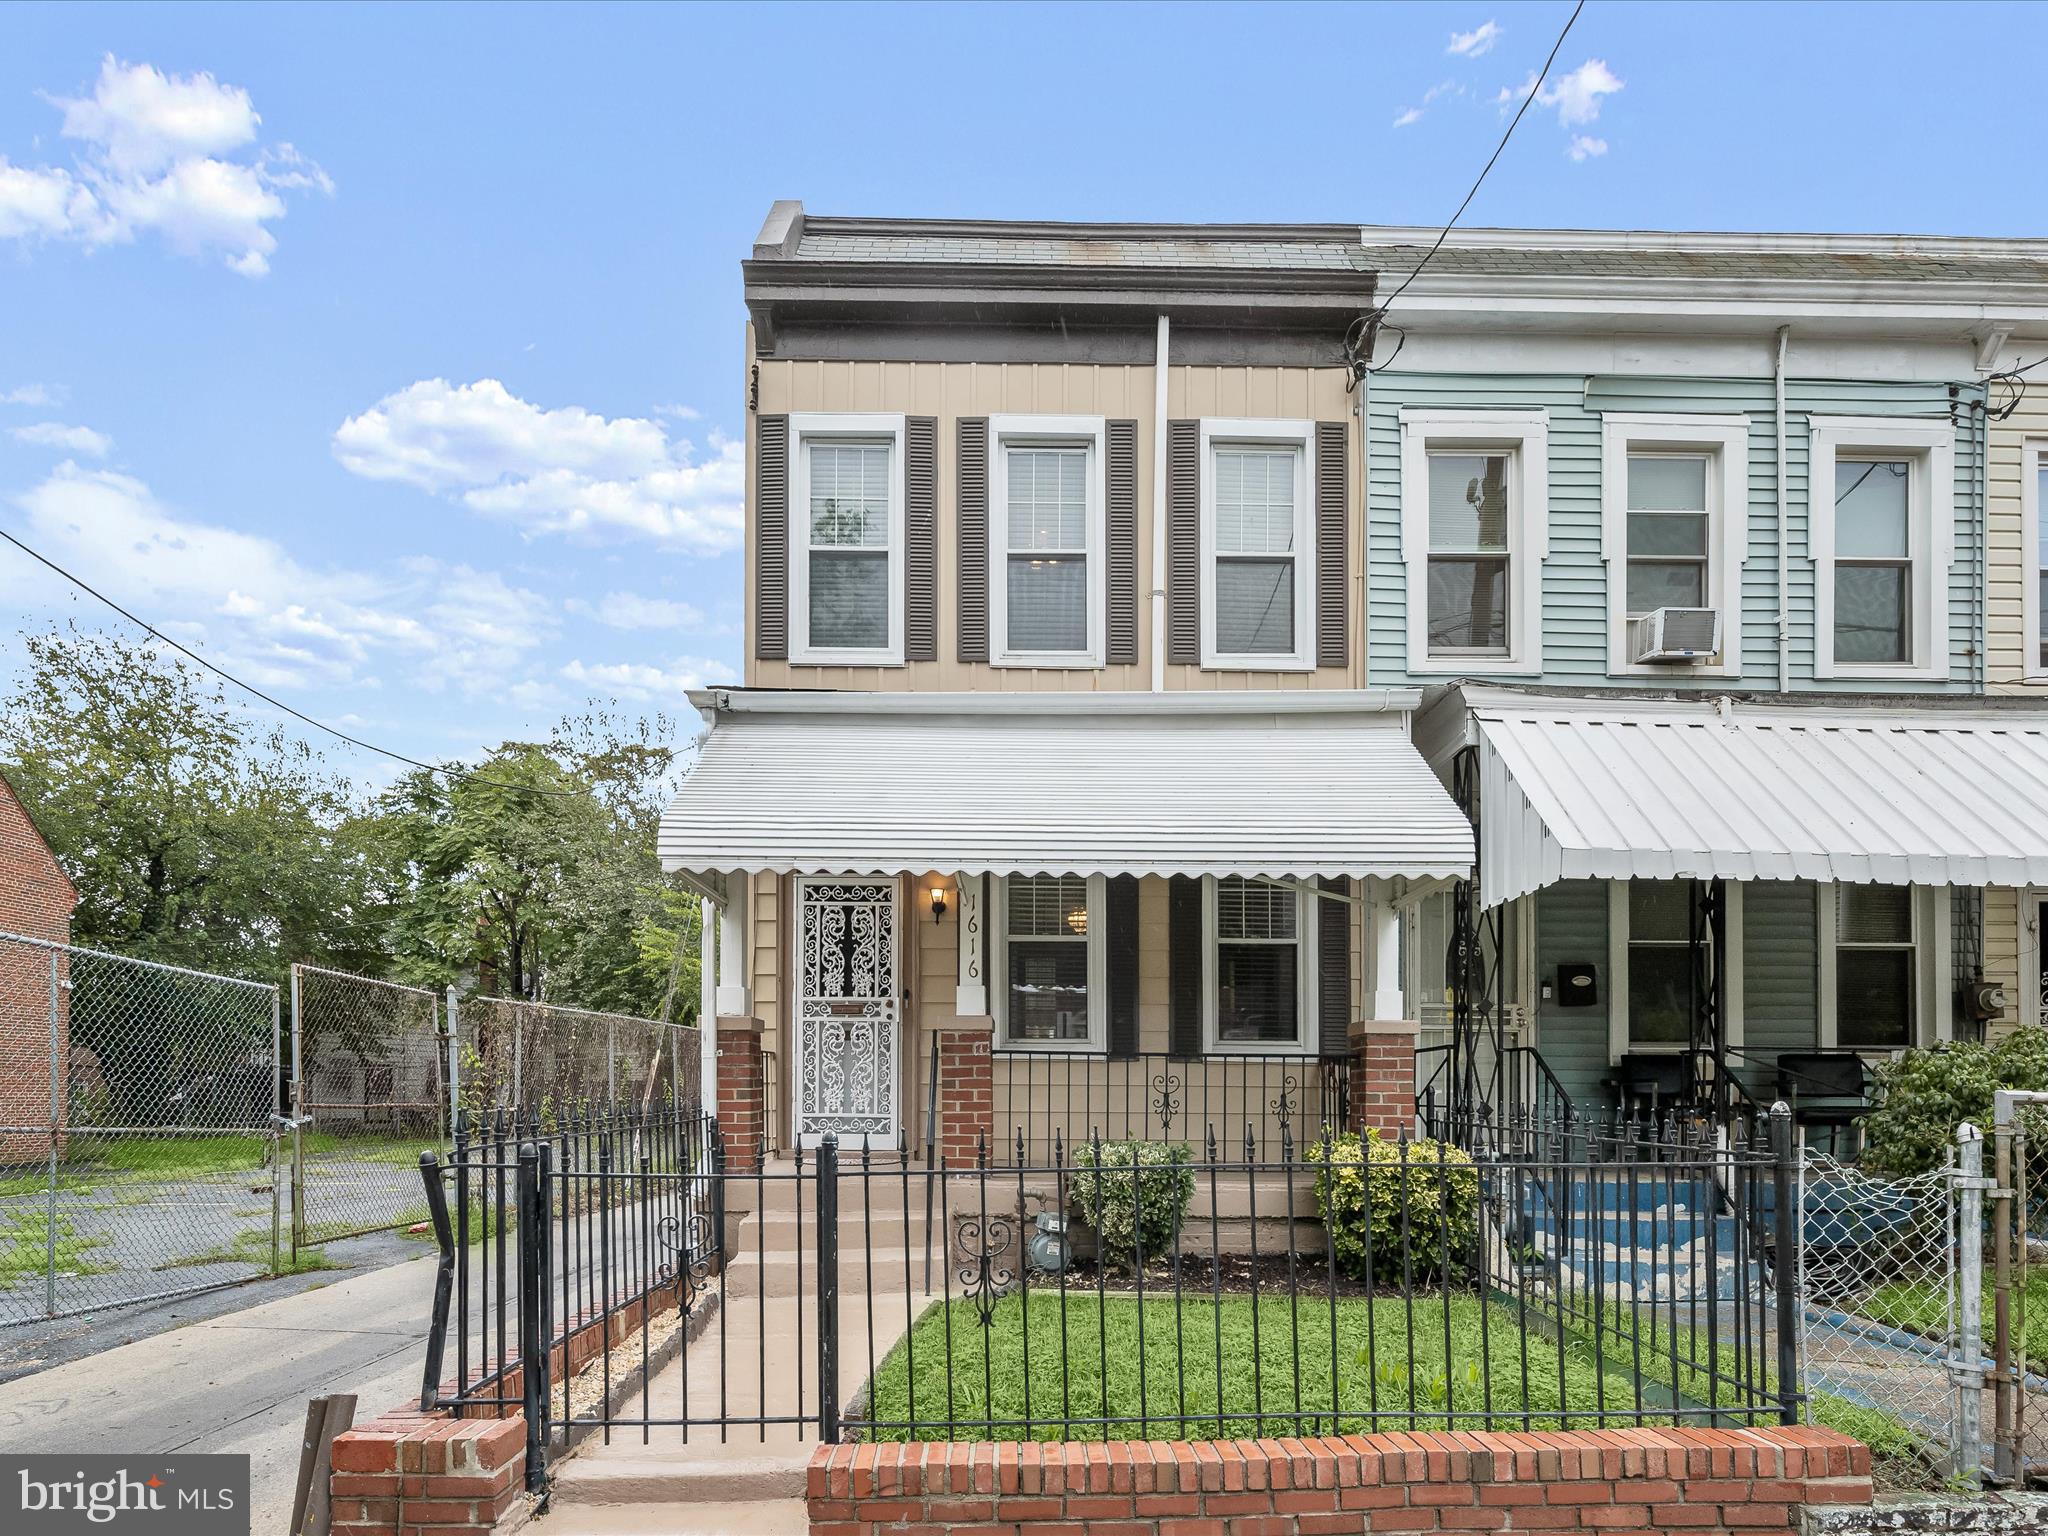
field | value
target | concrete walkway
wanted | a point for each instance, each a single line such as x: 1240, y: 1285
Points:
x: 237, y: 1382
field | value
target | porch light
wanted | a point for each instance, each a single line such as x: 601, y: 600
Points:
x: 938, y: 902
x: 1077, y: 920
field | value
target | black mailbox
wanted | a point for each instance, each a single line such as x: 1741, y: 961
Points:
x: 1578, y: 985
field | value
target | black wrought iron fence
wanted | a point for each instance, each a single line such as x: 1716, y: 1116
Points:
x: 1567, y: 1277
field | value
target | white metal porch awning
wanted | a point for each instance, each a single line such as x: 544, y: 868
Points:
x: 1900, y: 793
x: 1286, y: 785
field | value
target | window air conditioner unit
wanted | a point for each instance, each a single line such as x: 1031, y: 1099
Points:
x: 1675, y: 634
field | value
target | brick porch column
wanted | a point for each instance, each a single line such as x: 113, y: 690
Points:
x: 743, y: 1106
x: 966, y: 1090
x: 1383, y: 1076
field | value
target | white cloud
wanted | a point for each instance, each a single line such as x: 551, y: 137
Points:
x: 629, y: 610
x: 164, y: 154
x: 245, y: 602
x: 1409, y: 115
x: 1584, y: 147
x: 565, y: 470
x: 652, y: 684
x: 31, y: 394
x: 1577, y: 95
x: 55, y: 434
x: 1479, y: 40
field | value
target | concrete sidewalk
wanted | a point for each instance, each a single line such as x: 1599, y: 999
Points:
x: 237, y: 1382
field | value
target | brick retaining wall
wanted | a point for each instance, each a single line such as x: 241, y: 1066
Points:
x: 1694, y: 1480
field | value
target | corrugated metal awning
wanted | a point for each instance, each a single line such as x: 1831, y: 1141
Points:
x: 1284, y: 785
x: 1576, y: 788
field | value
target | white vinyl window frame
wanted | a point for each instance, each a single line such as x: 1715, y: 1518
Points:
x: 1098, y: 970
x: 1619, y: 1043
x: 1005, y: 433
x: 1259, y: 432
x: 805, y: 430
x: 1724, y: 442
x: 1933, y: 970
x: 1525, y: 437
x: 1306, y: 981
x: 1930, y: 448
x: 2033, y: 561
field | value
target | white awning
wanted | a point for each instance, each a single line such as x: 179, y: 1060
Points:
x: 1277, y: 784
x: 1899, y: 793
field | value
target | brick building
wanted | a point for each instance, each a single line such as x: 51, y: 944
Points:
x: 36, y: 898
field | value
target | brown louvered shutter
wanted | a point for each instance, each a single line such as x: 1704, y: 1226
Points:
x: 1333, y: 575
x: 771, y: 538
x: 1184, y: 965
x: 1183, y: 543
x: 1121, y: 935
x: 921, y: 539
x: 1122, y: 482
x: 973, y: 515
x: 1333, y: 966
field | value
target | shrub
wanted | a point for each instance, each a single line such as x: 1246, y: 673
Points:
x: 1360, y: 1190
x: 1134, y: 1194
x: 1926, y: 1094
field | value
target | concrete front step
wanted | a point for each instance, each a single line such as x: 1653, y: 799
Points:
x: 627, y: 1475
x: 761, y: 1517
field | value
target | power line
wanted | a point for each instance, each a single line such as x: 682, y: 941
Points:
x: 275, y: 703
x: 1372, y: 324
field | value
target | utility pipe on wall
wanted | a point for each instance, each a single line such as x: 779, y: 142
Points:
x: 1784, y: 529
x: 1159, y: 509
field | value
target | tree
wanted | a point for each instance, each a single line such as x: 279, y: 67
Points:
x: 194, y: 833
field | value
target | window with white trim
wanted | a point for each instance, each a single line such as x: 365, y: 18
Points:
x: 1046, y: 555
x: 846, y: 533
x: 2034, y: 578
x: 1258, y: 547
x: 1875, y: 982
x: 1474, y: 534
x: 1049, y: 959
x: 1883, y: 536
x: 1260, y: 990
x: 1674, y: 507
x: 1660, y: 976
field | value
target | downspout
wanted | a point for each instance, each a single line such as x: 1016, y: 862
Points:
x: 1159, y: 509
x: 1784, y: 529
x: 1980, y: 597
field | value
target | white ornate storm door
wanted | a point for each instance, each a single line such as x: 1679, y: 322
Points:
x: 847, y: 1012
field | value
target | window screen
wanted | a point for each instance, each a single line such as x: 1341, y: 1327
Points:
x: 1255, y: 550
x: 1660, y: 996
x: 1874, y: 966
x: 1873, y: 560
x: 1667, y: 532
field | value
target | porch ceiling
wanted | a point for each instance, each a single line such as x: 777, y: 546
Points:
x: 1578, y: 788
x: 1284, y: 785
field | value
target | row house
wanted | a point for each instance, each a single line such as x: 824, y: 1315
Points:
x: 1182, y: 695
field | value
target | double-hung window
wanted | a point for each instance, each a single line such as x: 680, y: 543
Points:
x: 1674, y: 502
x: 846, y: 537
x: 2034, y: 580
x: 1474, y: 535
x: 1258, y: 598
x: 1660, y: 975
x: 1046, y: 556
x: 1875, y: 984
x: 1261, y: 962
x: 1049, y: 961
x: 1883, y: 536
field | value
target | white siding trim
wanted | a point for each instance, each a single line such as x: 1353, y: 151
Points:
x: 1052, y: 431
x: 1526, y: 435
x: 1726, y: 441
x: 1252, y: 431
x: 1098, y: 971
x: 1932, y: 524
x: 814, y: 425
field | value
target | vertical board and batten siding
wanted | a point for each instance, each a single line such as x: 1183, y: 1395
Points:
x: 1575, y: 577
x: 1780, y: 977
x: 1571, y: 929
x: 1123, y: 394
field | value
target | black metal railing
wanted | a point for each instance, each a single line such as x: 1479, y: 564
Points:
x: 1045, y: 1096
x: 551, y: 1226
x: 1469, y: 1101
x: 1573, y: 1276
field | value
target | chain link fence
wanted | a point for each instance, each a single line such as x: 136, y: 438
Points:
x: 545, y: 1060
x: 139, y: 1130
x: 371, y: 1091
x: 1891, y: 1287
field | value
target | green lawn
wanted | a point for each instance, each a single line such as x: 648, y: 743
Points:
x: 25, y: 1246
x: 1484, y: 1368
x: 1921, y: 1307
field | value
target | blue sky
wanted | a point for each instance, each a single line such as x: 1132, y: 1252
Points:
x: 393, y: 356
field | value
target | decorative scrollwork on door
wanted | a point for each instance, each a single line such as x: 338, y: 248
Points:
x: 847, y: 1009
